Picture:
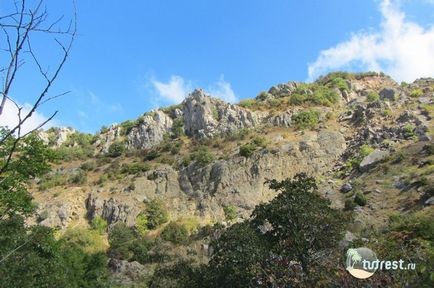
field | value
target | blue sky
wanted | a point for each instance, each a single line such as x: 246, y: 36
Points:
x: 133, y: 56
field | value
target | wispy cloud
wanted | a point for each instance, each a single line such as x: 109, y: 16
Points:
x: 9, y: 117
x: 177, y: 88
x: 173, y: 91
x: 223, y: 90
x: 400, y: 48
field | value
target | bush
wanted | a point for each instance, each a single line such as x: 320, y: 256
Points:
x: 408, y: 130
x: 338, y: 83
x: 99, y: 224
x: 373, y: 96
x: 152, y: 155
x: 79, y: 178
x: 247, y: 150
x: 116, y: 149
x: 230, y: 212
x: 416, y: 93
x: 178, y: 128
x: 176, y: 233
x: 429, y: 148
x: 203, y: 155
x: 90, y: 241
x: 297, y: 99
x: 349, y: 205
x: 88, y: 166
x: 306, y: 119
x: 365, y: 150
x: 142, y: 223
x: 156, y: 214
x: 135, y: 168
x: 248, y: 103
x: 360, y: 199
x: 120, y: 238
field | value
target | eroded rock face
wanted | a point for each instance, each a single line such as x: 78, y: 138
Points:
x: 113, y: 210
x: 108, y: 138
x: 205, y: 116
x: 55, y: 137
x: 203, y: 190
x: 150, y: 131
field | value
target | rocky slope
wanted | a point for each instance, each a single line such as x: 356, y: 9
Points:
x: 204, y: 155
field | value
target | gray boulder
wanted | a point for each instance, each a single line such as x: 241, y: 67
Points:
x: 372, y: 159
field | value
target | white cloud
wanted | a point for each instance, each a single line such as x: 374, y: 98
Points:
x: 223, y: 90
x: 173, y: 91
x: 177, y: 88
x: 400, y: 48
x: 9, y: 117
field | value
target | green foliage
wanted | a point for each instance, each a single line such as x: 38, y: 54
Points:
x: 365, y: 150
x: 429, y: 148
x: 88, y: 166
x: 203, y: 155
x: 174, y: 232
x: 360, y: 199
x: 99, y: 224
x: 237, y: 135
x: 180, y: 274
x: 120, y: 239
x: 416, y: 93
x: 52, y: 180
x: 409, y: 236
x: 171, y: 108
x: 409, y: 130
x: 404, y: 84
x: 152, y: 155
x: 230, y: 212
x: 338, y: 83
x: 135, y: 168
x: 215, y: 113
x: 349, y: 204
x: 178, y: 128
x: 156, y: 213
x: 128, y: 125
x: 314, y: 95
x: 300, y: 224
x: 248, y: 103
x: 247, y: 150
x: 79, y: 177
x: 42, y: 261
x: 116, y: 149
x: 142, y: 223
x: 373, y: 96
x: 89, y: 241
x: 306, y: 120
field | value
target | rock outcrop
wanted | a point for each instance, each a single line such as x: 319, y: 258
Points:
x: 205, y: 116
x: 150, y: 131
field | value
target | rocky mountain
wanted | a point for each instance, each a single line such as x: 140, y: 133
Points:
x: 204, y: 157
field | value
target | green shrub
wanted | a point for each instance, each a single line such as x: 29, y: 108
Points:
x: 89, y: 241
x: 416, y: 93
x: 127, y: 126
x: 306, y: 119
x: 230, y: 212
x: 247, y: 150
x: 248, y: 103
x: 237, y: 135
x: 260, y: 142
x: 78, y: 177
x: 50, y: 181
x: 339, y: 83
x: 156, y: 214
x: 373, y: 96
x: 365, y: 150
x: 152, y: 155
x: 429, y: 148
x: 297, y: 99
x: 135, y: 168
x: 116, y: 149
x: 349, y: 205
x: 120, y: 238
x: 142, y: 223
x: 99, y: 224
x: 360, y: 199
x: 88, y: 166
x: 203, y: 155
x: 176, y: 233
x: 408, y: 130
x: 178, y: 128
